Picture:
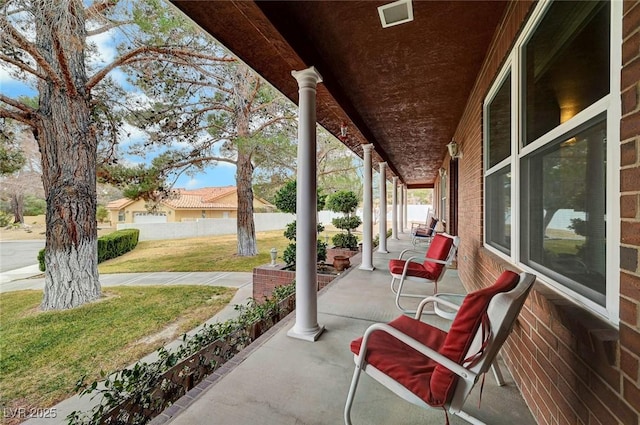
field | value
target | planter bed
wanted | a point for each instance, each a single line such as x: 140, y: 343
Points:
x: 158, y: 391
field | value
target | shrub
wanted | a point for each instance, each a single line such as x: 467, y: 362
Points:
x: 346, y: 203
x: 5, y: 219
x: 109, y: 246
x: 34, y: 206
x: 285, y: 200
x: 102, y: 214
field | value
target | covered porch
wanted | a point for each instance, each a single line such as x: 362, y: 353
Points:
x: 282, y: 380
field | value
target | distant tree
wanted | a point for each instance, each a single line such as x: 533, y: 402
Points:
x: 25, y: 181
x: 337, y: 165
x: 11, y: 157
x: 206, y: 109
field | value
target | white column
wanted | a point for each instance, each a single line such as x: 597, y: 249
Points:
x: 394, y: 210
x: 382, y: 246
x: 401, y: 212
x: 306, y: 326
x: 406, y: 207
x: 367, y: 209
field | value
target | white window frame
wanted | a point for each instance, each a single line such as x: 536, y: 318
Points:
x: 610, y: 104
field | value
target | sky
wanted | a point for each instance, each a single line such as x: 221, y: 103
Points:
x: 221, y: 175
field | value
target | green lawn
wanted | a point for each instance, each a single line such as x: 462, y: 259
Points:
x: 214, y: 253
x: 43, y: 354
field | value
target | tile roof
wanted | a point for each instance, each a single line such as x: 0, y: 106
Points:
x: 119, y: 203
x: 200, y: 199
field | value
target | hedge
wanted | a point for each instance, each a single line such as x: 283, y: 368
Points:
x: 109, y: 246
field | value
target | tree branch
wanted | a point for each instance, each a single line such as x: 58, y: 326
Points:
x: 23, y: 66
x: 23, y: 117
x: 16, y: 104
x: 134, y: 56
x: 30, y: 48
x: 110, y: 26
x: 98, y: 7
x: 271, y: 122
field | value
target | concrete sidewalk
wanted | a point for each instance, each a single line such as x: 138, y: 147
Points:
x: 240, y: 280
x: 32, y: 278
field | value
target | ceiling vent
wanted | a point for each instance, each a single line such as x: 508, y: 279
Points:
x: 396, y: 13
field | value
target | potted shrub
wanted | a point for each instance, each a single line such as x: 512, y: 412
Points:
x: 345, y: 243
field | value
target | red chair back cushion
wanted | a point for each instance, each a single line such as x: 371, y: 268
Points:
x: 460, y: 336
x: 439, y: 249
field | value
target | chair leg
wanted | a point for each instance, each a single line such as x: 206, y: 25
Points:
x: 497, y: 373
x: 351, y: 395
x: 393, y: 288
x: 467, y: 417
x: 400, y: 294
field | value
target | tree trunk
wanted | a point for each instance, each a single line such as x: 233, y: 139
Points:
x: 17, y: 205
x: 68, y: 146
x: 246, y: 228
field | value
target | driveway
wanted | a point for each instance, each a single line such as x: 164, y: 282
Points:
x: 18, y: 254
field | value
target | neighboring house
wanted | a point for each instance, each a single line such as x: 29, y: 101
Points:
x: 186, y: 205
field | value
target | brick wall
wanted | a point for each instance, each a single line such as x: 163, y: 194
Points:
x: 571, y: 366
x: 267, y: 278
x: 630, y: 207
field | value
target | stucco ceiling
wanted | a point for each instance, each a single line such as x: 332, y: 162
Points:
x: 402, y: 88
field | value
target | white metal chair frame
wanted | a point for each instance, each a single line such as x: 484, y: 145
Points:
x: 502, y: 313
x: 417, y: 238
x: 403, y: 277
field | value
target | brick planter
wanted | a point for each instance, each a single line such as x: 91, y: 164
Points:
x: 266, y: 278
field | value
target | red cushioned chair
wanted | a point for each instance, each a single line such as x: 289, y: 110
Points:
x: 438, y: 257
x: 433, y: 368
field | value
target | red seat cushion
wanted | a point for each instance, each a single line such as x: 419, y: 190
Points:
x: 401, y: 362
x: 415, y: 269
x: 422, y: 376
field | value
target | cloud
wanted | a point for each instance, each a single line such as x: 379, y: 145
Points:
x: 193, y: 183
x: 131, y: 134
x: 105, y: 45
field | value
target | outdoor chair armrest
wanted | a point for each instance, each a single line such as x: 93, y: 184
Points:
x: 410, y: 250
x: 434, y: 300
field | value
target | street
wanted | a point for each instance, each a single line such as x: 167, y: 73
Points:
x: 18, y: 254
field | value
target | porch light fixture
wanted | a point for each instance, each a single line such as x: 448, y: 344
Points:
x: 396, y: 13
x: 343, y: 132
x: 454, y: 149
x: 274, y: 256
x: 442, y: 172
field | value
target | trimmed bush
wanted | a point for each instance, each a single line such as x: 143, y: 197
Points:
x: 109, y: 246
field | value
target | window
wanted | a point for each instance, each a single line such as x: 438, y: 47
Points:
x: 121, y: 215
x: 547, y: 119
x: 499, y: 210
x: 564, y: 210
x: 498, y: 138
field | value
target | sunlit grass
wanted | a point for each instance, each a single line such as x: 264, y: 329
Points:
x: 214, y: 253
x: 43, y: 354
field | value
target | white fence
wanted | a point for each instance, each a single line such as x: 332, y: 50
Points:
x: 227, y: 226
x: 206, y: 227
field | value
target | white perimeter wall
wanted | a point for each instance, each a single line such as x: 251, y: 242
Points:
x: 206, y: 226
x: 227, y: 226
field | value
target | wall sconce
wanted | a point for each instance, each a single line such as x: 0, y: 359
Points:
x: 442, y: 172
x: 454, y: 150
x: 343, y: 132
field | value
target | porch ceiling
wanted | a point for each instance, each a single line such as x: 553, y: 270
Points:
x: 402, y: 88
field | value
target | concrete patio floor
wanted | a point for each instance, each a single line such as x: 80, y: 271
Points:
x: 288, y: 381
